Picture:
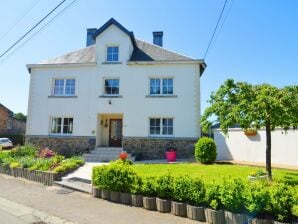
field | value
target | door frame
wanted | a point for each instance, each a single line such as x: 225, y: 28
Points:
x: 110, y: 127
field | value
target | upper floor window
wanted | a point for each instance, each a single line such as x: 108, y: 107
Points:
x: 64, y: 87
x: 161, y: 86
x: 60, y: 125
x: 112, y: 53
x: 161, y: 126
x: 111, y: 86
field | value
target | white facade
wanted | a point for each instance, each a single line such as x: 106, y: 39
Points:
x: 239, y: 147
x: 89, y: 106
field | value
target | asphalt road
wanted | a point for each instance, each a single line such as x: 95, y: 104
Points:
x: 75, y: 207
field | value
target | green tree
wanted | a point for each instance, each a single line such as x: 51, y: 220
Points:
x: 258, y: 105
x: 20, y: 116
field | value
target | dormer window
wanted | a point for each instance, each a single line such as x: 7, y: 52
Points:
x: 112, y: 54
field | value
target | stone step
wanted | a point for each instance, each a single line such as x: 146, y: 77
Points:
x: 103, y: 152
x: 103, y: 158
x: 77, y: 184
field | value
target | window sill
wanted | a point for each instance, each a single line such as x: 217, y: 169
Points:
x: 161, y: 96
x: 111, y: 62
x: 59, y: 135
x: 53, y: 96
x: 161, y: 136
x: 110, y: 96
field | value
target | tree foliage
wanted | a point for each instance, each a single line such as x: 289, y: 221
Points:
x: 20, y: 116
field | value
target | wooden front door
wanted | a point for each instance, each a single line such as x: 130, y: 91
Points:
x: 115, y: 133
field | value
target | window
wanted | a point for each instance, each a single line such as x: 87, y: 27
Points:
x: 61, y: 125
x: 111, y: 86
x: 161, y: 126
x: 9, y: 123
x: 112, y: 53
x: 64, y: 87
x: 161, y: 86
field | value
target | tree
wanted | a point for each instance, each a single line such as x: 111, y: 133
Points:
x: 20, y: 116
x: 258, y: 105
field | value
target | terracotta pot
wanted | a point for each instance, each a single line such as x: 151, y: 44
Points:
x: 163, y: 205
x: 232, y: 218
x: 125, y: 198
x: 149, y: 203
x: 96, y: 192
x: 105, y: 194
x: 214, y: 216
x: 115, y: 196
x: 178, y: 208
x: 137, y: 200
x: 171, y: 156
x: 250, y: 133
x: 261, y: 221
x: 195, y: 213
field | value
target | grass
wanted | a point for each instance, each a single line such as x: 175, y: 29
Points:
x: 213, y: 172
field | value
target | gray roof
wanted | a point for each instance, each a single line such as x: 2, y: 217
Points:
x: 144, y: 52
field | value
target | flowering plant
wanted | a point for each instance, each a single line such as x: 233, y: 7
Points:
x: 258, y: 173
x: 123, y: 155
x: 46, y: 153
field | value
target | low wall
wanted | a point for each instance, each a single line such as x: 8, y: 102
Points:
x: 66, y: 146
x: 154, y: 148
x: 237, y: 146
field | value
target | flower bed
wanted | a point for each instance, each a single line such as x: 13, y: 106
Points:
x: 231, y: 200
x: 43, y: 166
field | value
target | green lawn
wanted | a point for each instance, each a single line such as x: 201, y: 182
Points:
x: 213, y: 172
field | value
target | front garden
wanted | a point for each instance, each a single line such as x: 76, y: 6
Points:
x: 43, y: 165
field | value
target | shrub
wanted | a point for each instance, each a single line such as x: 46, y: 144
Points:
x: 232, y: 195
x: 205, y: 150
x: 3, y: 155
x: 163, y: 186
x: 137, y: 184
x: 26, y: 161
x: 196, y: 192
x: 15, y: 165
x: 27, y: 150
x: 41, y: 164
x: 149, y: 187
x: 281, y: 201
x: 213, y: 196
x: 99, y: 177
x: 180, y: 188
x: 46, y: 153
x: 8, y: 160
x: 257, y: 196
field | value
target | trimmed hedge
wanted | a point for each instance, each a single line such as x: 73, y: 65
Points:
x: 233, y: 195
x: 205, y: 150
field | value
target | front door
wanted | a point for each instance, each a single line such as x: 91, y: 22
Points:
x: 115, y: 135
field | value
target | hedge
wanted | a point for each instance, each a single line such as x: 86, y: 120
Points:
x: 233, y: 195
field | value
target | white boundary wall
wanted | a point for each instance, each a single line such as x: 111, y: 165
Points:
x: 239, y: 147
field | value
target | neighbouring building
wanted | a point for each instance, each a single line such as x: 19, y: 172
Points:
x: 118, y: 91
x: 8, y: 124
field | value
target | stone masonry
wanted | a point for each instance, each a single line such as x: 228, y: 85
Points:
x: 64, y: 145
x: 154, y: 148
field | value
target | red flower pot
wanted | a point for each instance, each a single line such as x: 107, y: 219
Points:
x: 171, y: 156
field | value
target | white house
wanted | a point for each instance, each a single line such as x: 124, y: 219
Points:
x: 119, y: 92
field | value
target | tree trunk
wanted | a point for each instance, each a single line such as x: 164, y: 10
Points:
x: 268, y: 150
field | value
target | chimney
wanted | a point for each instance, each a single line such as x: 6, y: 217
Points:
x: 157, y: 38
x: 90, y: 40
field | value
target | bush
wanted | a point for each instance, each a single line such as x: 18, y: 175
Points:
x: 41, y: 164
x: 281, y: 201
x: 46, y: 153
x: 196, y: 192
x: 22, y: 151
x: 137, y: 185
x: 180, y: 188
x: 205, y: 150
x: 213, y: 196
x: 163, y: 186
x: 99, y: 177
x: 26, y: 161
x: 15, y: 165
x: 232, y: 193
x: 149, y: 187
x: 257, y: 196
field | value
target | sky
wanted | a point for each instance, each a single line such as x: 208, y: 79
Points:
x: 257, y: 41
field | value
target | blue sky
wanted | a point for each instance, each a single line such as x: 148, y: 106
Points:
x: 256, y: 41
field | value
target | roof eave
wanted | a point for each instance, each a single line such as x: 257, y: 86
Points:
x: 195, y: 61
x: 30, y: 66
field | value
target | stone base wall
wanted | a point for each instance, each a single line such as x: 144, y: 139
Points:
x: 154, y: 148
x: 63, y: 145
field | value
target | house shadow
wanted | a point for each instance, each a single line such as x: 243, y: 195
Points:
x: 223, y: 153
x: 256, y: 138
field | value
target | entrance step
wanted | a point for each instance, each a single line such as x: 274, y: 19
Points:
x: 104, y: 154
x: 77, y: 184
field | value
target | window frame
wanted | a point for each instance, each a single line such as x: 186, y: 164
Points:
x: 161, y: 79
x: 106, y: 55
x: 161, y: 126
x: 62, y: 125
x: 104, y: 86
x: 64, y: 86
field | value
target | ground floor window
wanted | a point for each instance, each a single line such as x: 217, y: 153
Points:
x: 61, y: 125
x: 161, y: 126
